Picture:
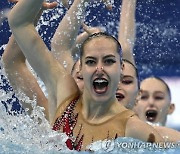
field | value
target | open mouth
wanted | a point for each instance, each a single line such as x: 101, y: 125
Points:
x: 151, y: 115
x: 119, y: 96
x: 100, y: 85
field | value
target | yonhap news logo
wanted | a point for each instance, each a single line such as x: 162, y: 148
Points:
x: 108, y: 145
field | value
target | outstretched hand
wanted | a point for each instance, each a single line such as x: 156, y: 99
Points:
x: 91, y: 30
x: 45, y: 5
x: 108, y: 4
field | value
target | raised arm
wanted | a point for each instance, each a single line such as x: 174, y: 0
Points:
x: 59, y: 83
x: 127, y: 29
x: 65, y: 36
x: 20, y: 78
x: 66, y: 33
x: 83, y: 36
x: 138, y: 129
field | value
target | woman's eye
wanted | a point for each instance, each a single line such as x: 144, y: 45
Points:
x: 158, y: 97
x: 109, y: 61
x: 90, y: 62
x: 127, y: 82
x: 144, y: 97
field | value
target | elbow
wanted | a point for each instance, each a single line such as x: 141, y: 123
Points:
x: 10, y: 61
x: 15, y: 21
x: 7, y: 62
x: 12, y: 20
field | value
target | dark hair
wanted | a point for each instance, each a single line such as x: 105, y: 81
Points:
x: 73, y: 67
x: 136, y: 71
x: 100, y: 34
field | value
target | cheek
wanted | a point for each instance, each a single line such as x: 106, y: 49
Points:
x: 131, y: 90
x: 115, y: 74
x: 164, y: 108
x: 140, y: 109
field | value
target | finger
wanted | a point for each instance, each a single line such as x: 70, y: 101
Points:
x: 108, y: 4
x: 13, y: 1
x: 86, y: 28
x: 49, y: 5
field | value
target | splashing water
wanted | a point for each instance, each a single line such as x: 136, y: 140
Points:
x: 21, y: 133
x: 33, y: 134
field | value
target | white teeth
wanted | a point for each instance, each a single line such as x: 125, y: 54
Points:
x: 100, y: 80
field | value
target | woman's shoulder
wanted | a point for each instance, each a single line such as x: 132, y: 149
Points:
x: 68, y: 105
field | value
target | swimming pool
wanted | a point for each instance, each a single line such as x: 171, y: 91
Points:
x: 157, y: 41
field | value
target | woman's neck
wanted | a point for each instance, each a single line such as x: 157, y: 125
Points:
x: 98, y: 111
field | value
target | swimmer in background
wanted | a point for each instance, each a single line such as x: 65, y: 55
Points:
x: 101, y: 69
x: 129, y: 86
x: 154, y: 105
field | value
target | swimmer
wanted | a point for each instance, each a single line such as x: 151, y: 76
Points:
x: 19, y: 74
x: 129, y: 86
x: 154, y: 105
x: 97, y: 107
x: 64, y: 42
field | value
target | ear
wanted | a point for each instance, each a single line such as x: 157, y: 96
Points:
x: 136, y: 102
x: 137, y: 99
x: 122, y: 66
x: 171, y: 108
x: 80, y: 74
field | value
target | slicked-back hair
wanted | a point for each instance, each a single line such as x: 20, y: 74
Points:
x: 166, y: 85
x: 73, y: 67
x: 136, y: 71
x: 101, y: 34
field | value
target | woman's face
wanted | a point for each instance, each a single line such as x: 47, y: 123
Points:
x: 154, y: 102
x: 101, y: 69
x: 128, y: 86
x: 76, y: 74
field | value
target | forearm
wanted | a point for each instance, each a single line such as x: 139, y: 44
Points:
x: 47, y: 68
x: 83, y: 36
x: 79, y: 40
x: 32, y: 46
x: 127, y: 29
x: 20, y: 78
x: 67, y: 31
x: 24, y: 12
x: 69, y: 26
x: 12, y: 54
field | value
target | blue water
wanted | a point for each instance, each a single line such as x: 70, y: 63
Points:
x: 32, y: 134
